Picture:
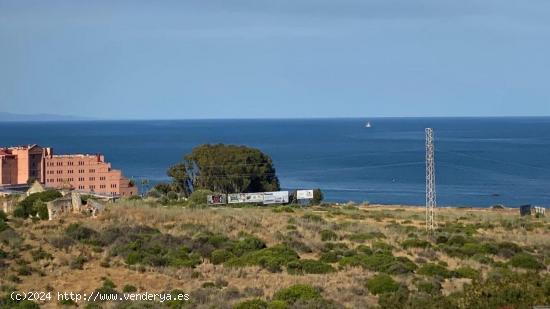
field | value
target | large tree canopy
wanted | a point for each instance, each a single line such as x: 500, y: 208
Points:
x: 226, y: 169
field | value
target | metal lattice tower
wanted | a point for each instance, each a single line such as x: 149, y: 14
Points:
x: 430, y: 182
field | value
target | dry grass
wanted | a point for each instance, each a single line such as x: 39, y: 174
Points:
x: 345, y: 286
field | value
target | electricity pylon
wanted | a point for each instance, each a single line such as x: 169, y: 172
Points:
x: 431, y: 203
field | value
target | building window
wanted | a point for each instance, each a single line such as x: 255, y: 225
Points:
x: 92, y: 170
x: 92, y: 178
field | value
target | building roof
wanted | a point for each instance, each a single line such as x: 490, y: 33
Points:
x: 30, y: 146
x: 77, y: 155
x: 35, y: 188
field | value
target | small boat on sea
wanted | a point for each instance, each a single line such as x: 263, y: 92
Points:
x: 368, y: 125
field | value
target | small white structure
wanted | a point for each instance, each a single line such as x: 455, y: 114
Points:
x: 304, y: 194
x: 540, y: 210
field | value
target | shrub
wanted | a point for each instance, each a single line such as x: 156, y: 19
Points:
x: 78, y: 262
x: 362, y: 237
x: 24, y: 270
x: 107, y: 288
x: 40, y: 254
x: 67, y: 302
x: 313, y: 217
x: 3, y: 216
x: 441, y: 239
x: 247, y: 243
x: 220, y: 256
x: 327, y: 235
x: 297, y: 292
x: 62, y: 242
x: 382, y: 247
x: 431, y: 269
x: 508, y: 249
x: 308, y: 267
x: 270, y: 258
x: 129, y: 289
x: 430, y: 287
x: 172, y: 196
x: 470, y: 249
x: 252, y: 304
x: 147, y: 246
x: 277, y: 304
x: 401, y: 265
x: 364, y: 249
x: 41, y: 209
x: 505, y: 289
x: 3, y: 226
x: 26, y: 208
x: 280, y: 209
x: 467, y: 272
x: 456, y: 240
x: 199, y: 197
x: 382, y: 283
x: 329, y: 257
x: 525, y: 260
x: 415, y: 243
x: 81, y: 233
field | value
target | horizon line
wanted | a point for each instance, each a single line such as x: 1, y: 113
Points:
x: 88, y: 119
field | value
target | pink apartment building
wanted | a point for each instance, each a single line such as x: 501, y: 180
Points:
x: 82, y: 172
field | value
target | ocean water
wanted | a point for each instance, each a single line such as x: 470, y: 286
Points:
x: 479, y: 161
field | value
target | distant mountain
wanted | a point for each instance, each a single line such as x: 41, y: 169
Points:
x: 5, y: 117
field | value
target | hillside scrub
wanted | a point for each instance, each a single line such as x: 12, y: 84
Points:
x: 205, y: 252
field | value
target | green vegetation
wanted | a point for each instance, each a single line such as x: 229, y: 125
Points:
x: 318, y: 197
x: 3, y: 221
x: 270, y: 258
x: 382, y: 284
x: 403, y: 266
x: 327, y: 235
x: 297, y: 292
x: 527, y: 261
x: 34, y: 204
x: 301, y: 267
x: 434, y: 270
x: 415, y: 243
x: 223, y: 168
x: 199, y: 197
x: 381, y: 261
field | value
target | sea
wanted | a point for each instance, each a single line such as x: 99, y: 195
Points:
x: 479, y: 162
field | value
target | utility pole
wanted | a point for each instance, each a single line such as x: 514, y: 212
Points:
x: 430, y: 182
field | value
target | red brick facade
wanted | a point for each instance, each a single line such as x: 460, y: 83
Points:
x: 82, y: 172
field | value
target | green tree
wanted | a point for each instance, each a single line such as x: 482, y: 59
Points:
x: 317, y: 197
x: 180, y: 179
x: 226, y: 169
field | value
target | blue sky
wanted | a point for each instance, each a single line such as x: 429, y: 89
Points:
x: 275, y: 58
